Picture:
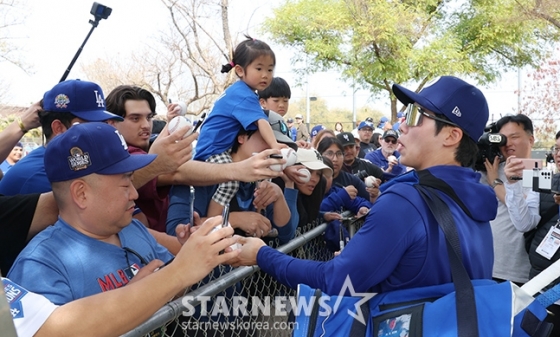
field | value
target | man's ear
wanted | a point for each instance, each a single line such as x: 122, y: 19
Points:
x: 78, y: 193
x: 453, y: 136
x: 57, y: 127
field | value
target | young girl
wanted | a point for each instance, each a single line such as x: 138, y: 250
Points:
x: 237, y: 108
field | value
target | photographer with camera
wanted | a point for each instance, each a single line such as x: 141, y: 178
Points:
x: 518, y: 207
x: 352, y: 163
x: 549, y: 208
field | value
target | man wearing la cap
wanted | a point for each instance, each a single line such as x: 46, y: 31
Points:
x: 301, y: 129
x: 95, y: 246
x: 365, y: 131
x: 405, y: 248
x: 66, y: 103
x: 352, y: 163
x: 387, y: 157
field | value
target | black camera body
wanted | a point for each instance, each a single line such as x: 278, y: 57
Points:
x: 362, y: 175
x: 489, y: 146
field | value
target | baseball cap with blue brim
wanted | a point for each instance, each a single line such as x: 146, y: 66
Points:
x: 83, y: 99
x: 89, y: 148
x: 462, y: 103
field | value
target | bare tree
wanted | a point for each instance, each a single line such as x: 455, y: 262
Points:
x: 201, y: 44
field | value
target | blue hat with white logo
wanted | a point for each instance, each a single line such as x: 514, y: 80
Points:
x: 365, y: 124
x: 89, y: 148
x: 462, y: 103
x: 316, y: 129
x: 81, y: 98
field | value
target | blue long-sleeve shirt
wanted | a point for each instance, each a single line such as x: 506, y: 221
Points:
x: 400, y: 244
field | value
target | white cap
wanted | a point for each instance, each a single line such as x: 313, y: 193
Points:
x: 313, y: 160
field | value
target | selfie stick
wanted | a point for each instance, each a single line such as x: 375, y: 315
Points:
x: 100, y: 12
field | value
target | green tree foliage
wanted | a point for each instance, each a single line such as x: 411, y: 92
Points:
x: 381, y: 42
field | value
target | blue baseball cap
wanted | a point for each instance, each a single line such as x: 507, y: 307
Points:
x: 365, y: 124
x: 81, y: 98
x: 460, y: 102
x: 316, y: 129
x: 89, y: 148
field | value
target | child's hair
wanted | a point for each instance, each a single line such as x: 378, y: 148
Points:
x: 277, y: 88
x: 248, y: 51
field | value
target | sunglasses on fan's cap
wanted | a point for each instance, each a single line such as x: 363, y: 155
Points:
x: 282, y: 125
x: 414, y: 115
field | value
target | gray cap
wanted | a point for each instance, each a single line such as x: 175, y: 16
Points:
x: 280, y: 129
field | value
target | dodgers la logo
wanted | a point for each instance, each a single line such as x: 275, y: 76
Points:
x: 61, y: 101
x: 123, y: 142
x: 99, y: 99
x: 346, y: 138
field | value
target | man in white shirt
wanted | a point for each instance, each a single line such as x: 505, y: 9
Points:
x: 518, y: 207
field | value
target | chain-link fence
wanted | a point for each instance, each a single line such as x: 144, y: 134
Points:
x: 243, y: 301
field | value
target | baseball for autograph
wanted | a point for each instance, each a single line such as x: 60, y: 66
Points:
x: 178, y: 122
x: 235, y: 245
x: 370, y: 181
x: 304, y: 175
x: 289, y: 155
x: 182, y: 108
x: 392, y: 158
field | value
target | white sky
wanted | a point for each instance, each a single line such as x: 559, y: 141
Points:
x: 54, y: 29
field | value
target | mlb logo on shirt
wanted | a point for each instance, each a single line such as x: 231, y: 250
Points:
x: 132, y: 271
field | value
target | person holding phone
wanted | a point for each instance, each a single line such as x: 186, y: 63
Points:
x: 548, y: 210
x: 518, y: 207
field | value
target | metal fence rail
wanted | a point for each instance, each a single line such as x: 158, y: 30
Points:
x: 226, y: 283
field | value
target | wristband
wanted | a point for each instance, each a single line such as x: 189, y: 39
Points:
x: 21, y: 126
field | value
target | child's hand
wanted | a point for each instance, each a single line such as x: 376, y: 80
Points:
x: 279, y: 146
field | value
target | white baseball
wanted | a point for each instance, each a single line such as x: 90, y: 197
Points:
x: 305, y: 172
x: 290, y: 155
x: 392, y: 158
x: 178, y: 122
x: 182, y: 108
x: 370, y: 181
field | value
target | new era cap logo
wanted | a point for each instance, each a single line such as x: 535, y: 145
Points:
x: 456, y: 111
x: 78, y: 160
x: 99, y: 100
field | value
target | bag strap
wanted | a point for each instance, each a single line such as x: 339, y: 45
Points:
x: 467, y: 320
